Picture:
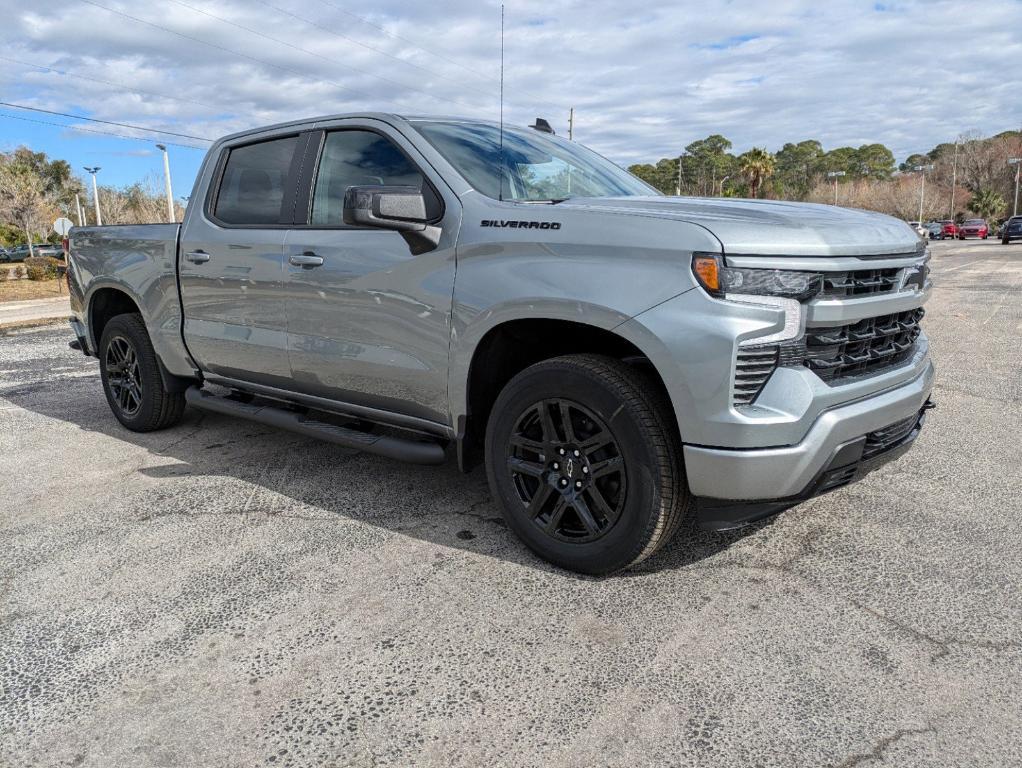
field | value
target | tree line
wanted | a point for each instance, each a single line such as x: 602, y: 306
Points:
x: 969, y: 176
x: 35, y: 191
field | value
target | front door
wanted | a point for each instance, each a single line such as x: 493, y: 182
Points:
x: 232, y: 264
x: 368, y: 319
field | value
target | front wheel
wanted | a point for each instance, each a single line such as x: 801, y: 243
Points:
x: 586, y: 463
x: 131, y: 377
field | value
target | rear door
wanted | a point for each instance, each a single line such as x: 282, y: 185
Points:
x: 369, y: 321
x: 232, y: 262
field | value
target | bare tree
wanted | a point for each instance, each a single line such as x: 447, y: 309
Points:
x: 22, y: 200
x: 139, y: 203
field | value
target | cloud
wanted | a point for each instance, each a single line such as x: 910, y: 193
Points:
x: 644, y: 80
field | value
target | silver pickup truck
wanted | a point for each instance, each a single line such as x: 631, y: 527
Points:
x: 431, y: 287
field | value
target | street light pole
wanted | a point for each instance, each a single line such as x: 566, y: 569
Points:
x: 835, y: 175
x: 954, y: 181
x: 922, y: 169
x: 1017, y: 162
x: 166, y: 178
x: 95, y: 193
x: 78, y: 208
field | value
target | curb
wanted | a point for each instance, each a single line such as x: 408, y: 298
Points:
x: 38, y: 322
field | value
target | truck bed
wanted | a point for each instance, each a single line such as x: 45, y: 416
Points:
x: 140, y: 259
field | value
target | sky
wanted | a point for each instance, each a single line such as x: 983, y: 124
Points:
x: 645, y: 79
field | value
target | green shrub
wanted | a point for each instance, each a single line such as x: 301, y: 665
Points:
x: 42, y: 267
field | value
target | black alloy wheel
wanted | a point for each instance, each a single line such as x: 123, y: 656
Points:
x: 123, y: 377
x: 132, y: 380
x: 585, y: 461
x: 567, y: 470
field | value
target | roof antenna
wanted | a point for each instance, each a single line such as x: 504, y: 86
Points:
x: 500, y: 176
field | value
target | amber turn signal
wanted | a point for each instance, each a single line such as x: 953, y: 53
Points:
x: 707, y: 271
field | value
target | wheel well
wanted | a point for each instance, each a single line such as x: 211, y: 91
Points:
x: 512, y: 347
x: 106, y: 304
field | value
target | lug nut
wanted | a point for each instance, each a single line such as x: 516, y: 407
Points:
x: 585, y: 470
x: 577, y: 452
x: 556, y: 465
x: 564, y: 481
x: 578, y: 483
x: 560, y: 451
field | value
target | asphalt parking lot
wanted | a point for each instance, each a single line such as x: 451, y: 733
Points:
x: 221, y: 594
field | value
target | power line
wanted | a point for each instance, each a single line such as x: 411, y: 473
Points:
x: 93, y: 130
x: 412, y: 43
x: 105, y: 122
x: 122, y: 86
x: 313, y: 53
x: 360, y: 43
x: 396, y: 36
x: 281, y: 67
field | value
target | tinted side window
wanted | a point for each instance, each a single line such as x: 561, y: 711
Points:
x: 354, y: 158
x: 252, y: 189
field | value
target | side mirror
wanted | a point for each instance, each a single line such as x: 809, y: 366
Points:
x: 386, y: 207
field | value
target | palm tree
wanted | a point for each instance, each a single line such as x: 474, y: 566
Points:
x: 756, y: 165
x: 987, y: 204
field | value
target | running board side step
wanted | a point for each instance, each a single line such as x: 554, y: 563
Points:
x: 413, y: 451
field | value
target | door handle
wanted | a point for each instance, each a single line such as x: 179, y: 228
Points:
x: 307, y: 259
x: 197, y: 257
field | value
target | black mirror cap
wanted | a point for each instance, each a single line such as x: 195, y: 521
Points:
x: 385, y: 206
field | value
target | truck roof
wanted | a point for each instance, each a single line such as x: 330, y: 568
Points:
x: 384, y: 116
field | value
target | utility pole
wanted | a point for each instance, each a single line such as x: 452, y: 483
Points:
x: 95, y: 193
x: 677, y: 184
x: 78, y: 207
x: 571, y: 123
x: 922, y: 169
x: 166, y: 178
x: 835, y: 175
x: 954, y: 181
x: 1017, y: 162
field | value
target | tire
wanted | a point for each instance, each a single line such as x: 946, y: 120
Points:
x: 131, y: 377
x: 628, y: 474
x: 1005, y: 241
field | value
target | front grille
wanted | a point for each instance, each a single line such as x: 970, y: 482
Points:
x: 882, y: 439
x: 864, y: 347
x: 860, y: 282
x: 753, y: 368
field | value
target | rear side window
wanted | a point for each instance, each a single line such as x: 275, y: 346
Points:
x: 357, y: 158
x: 254, y: 182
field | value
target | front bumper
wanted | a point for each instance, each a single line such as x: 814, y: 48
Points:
x: 735, y: 487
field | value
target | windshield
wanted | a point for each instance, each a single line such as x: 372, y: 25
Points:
x: 974, y: 221
x: 536, y: 166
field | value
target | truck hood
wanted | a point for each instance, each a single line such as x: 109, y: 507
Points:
x: 770, y: 227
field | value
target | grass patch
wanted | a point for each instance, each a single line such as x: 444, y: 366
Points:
x: 21, y: 290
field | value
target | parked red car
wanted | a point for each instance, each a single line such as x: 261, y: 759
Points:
x: 948, y: 229
x: 974, y: 228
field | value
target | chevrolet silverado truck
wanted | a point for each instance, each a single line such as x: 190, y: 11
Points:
x: 431, y: 288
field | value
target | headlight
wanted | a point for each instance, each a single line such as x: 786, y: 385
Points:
x: 723, y: 282
x: 777, y: 288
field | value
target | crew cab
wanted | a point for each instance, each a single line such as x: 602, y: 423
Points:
x: 435, y: 288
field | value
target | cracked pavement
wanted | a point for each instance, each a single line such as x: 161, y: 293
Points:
x: 221, y: 594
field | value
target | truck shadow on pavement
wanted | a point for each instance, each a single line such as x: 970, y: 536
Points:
x: 212, y: 465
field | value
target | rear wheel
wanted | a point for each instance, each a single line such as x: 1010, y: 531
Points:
x: 131, y: 377
x: 586, y: 463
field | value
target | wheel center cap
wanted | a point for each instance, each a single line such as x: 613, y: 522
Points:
x: 569, y: 468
